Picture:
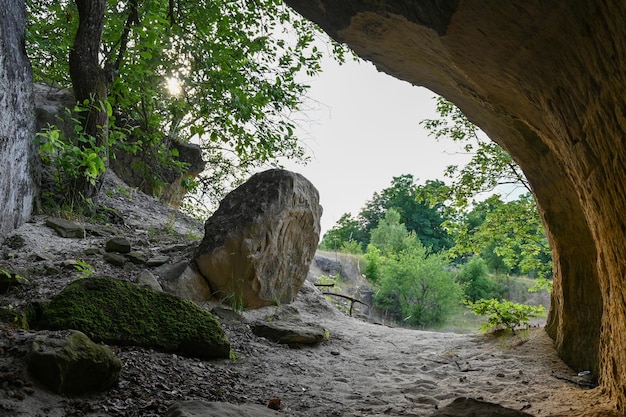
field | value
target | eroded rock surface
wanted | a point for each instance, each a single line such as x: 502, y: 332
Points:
x: 547, y: 81
x: 259, y: 244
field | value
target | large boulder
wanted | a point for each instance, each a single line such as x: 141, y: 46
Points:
x: 547, y: 81
x: 259, y: 244
x: 73, y: 364
x: 120, y: 313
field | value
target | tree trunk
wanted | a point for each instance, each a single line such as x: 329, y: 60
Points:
x: 90, y: 81
x: 547, y: 81
x: 17, y: 120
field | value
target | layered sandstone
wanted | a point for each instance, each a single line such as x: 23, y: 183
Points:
x: 547, y: 81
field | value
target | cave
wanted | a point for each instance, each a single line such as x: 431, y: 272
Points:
x: 546, y: 81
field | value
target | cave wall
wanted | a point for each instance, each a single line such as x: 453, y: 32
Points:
x: 17, y: 121
x: 547, y: 81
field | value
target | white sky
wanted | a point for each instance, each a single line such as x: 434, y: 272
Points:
x: 365, y: 130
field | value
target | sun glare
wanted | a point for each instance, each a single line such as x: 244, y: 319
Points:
x: 173, y: 86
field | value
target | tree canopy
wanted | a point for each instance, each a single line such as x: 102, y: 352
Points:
x: 225, y: 74
x: 413, y: 206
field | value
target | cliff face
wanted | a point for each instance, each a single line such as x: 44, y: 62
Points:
x: 17, y: 121
x: 547, y: 81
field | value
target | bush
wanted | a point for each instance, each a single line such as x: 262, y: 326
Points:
x: 373, y: 261
x: 474, y: 278
x: 505, y: 313
x: 417, y: 286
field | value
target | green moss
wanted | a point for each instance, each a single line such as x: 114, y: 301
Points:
x: 120, y: 313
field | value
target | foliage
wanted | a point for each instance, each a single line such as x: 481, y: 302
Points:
x: 75, y: 158
x: 390, y: 235
x: 421, y: 210
x: 474, y: 278
x: 505, y: 313
x: 510, y: 233
x: 490, y: 166
x: 541, y: 284
x: 416, y: 286
x: 347, y: 229
x: 373, y: 261
x: 84, y: 268
x: 418, y: 213
x: 351, y: 246
x: 223, y: 73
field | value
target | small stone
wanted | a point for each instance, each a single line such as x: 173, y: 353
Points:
x: 289, y: 332
x: 92, y: 251
x: 147, y: 279
x: 138, y: 258
x: 69, y: 263
x: 115, y: 259
x: 74, y: 364
x: 157, y: 260
x: 117, y: 244
x: 66, y: 228
x: 52, y: 269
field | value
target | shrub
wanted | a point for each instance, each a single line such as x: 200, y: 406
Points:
x: 418, y: 285
x: 474, y: 278
x: 505, y: 313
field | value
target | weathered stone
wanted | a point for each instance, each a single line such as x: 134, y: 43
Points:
x: 136, y: 257
x: 92, y: 251
x: 73, y: 365
x: 289, y: 332
x: 69, y: 263
x: 259, y: 244
x: 66, y: 228
x: 217, y: 409
x: 157, y: 261
x: 147, y: 279
x: 117, y: 244
x: 545, y: 81
x: 120, y: 313
x: 114, y: 259
x: 184, y: 281
x: 17, y: 124
x: 463, y: 407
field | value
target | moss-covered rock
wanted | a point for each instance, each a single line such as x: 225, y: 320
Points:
x: 73, y: 365
x: 120, y: 313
